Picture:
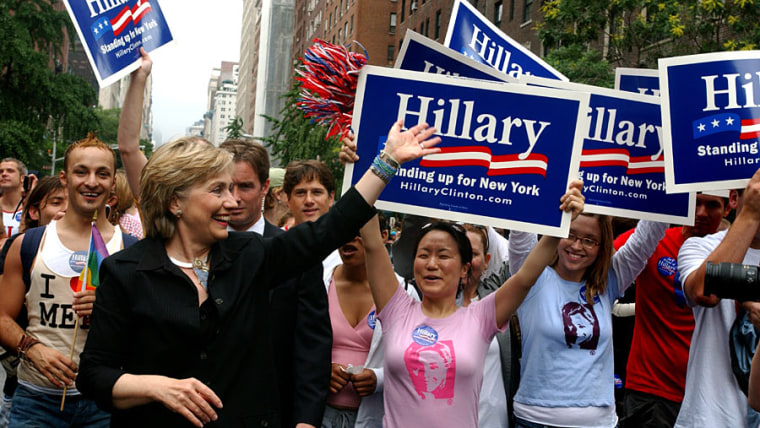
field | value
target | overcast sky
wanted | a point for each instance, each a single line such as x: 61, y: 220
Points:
x: 205, y: 34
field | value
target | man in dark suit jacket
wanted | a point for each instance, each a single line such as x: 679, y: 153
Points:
x: 302, y: 334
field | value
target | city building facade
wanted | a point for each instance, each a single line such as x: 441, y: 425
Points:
x: 222, y: 101
x: 516, y: 18
x: 379, y: 25
x: 265, y: 45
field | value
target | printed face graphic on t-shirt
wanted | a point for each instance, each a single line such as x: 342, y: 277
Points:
x: 432, y: 369
x: 581, y: 325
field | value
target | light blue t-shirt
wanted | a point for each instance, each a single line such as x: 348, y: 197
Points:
x: 567, y: 356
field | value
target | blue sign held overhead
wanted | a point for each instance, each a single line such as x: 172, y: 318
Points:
x: 113, y: 32
x: 508, y: 152
x: 622, y: 163
x: 642, y: 81
x: 418, y: 53
x: 473, y: 35
x: 711, y: 120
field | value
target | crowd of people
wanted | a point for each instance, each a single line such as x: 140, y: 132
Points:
x: 237, y: 294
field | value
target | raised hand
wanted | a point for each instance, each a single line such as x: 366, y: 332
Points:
x: 411, y: 144
x: 572, y: 200
x: 146, y: 65
x: 348, y: 150
x: 751, y: 196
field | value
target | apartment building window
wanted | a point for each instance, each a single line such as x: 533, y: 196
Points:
x: 437, y: 24
x: 391, y: 54
x: 351, y: 25
x: 403, y: 9
x: 497, y: 11
x: 527, y: 10
x: 511, y: 10
x: 340, y: 35
x: 345, y: 29
x: 392, y: 28
x: 336, y: 15
x: 427, y: 26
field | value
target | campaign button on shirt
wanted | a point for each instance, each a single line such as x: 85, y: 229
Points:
x: 425, y: 335
x: 77, y: 261
x: 667, y: 266
x: 371, y: 320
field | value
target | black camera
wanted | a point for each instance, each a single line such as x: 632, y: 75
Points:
x: 732, y: 281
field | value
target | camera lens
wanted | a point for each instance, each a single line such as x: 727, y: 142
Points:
x: 732, y: 281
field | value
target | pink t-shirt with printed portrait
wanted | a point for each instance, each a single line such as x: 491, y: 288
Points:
x: 434, y: 366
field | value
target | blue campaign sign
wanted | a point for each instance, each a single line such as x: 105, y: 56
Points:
x: 643, y: 81
x: 711, y: 120
x: 473, y: 35
x: 622, y: 162
x: 112, y: 33
x: 508, y: 151
x: 418, y: 53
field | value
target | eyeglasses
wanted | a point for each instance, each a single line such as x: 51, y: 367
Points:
x: 587, y: 243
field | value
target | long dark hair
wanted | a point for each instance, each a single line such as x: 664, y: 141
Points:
x: 45, y: 186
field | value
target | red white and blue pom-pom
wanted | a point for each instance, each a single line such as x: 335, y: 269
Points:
x: 328, y: 85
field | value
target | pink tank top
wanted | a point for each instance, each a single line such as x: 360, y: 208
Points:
x: 350, y: 346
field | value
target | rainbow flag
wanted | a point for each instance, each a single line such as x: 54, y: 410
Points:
x: 89, y: 278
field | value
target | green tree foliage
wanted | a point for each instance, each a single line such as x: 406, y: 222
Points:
x: 638, y: 32
x: 235, y: 128
x: 582, y: 65
x: 38, y: 101
x: 295, y: 138
x: 147, y: 147
x: 108, y: 124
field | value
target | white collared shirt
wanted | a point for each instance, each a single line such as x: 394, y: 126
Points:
x: 257, y: 227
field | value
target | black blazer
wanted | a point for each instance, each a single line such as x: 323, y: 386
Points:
x: 302, y: 343
x: 146, y: 319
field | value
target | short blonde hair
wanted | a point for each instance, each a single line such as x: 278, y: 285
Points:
x: 173, y: 169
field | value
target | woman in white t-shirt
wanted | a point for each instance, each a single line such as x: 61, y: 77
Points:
x: 434, y: 349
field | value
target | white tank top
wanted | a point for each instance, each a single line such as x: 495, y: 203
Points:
x: 49, y: 301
